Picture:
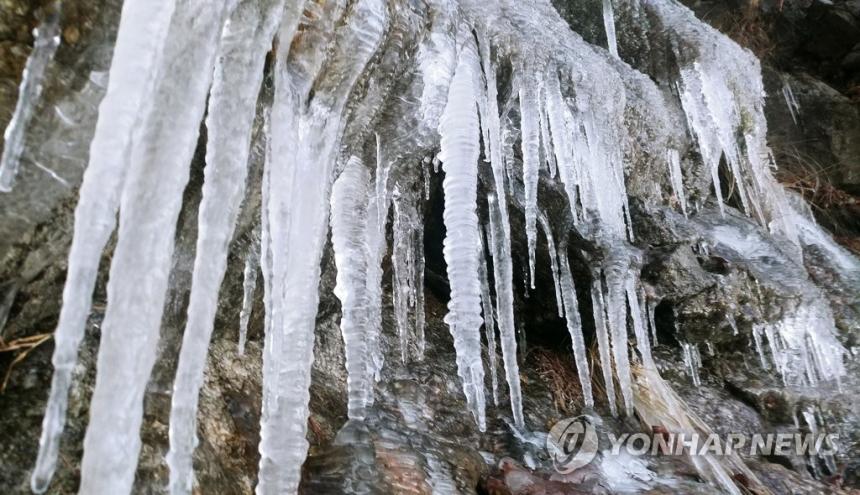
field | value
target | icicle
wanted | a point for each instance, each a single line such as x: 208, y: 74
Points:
x: 790, y: 101
x: 348, y: 223
x: 306, y: 136
x: 530, y: 125
x: 249, y: 286
x: 756, y: 331
x: 460, y: 152
x: 141, y: 35
x: 651, y: 307
x: 553, y: 260
x: 47, y: 39
x: 676, y: 178
x: 600, y: 326
x: 500, y: 243
x: 692, y: 361
x: 559, y: 119
x: 636, y: 302
x: 609, y: 26
x: 377, y: 247
x: 151, y: 201
x: 545, y: 140
x: 245, y: 40
x: 489, y: 320
x: 574, y: 327
x: 420, y: 341
x: 615, y: 271
x: 407, y: 234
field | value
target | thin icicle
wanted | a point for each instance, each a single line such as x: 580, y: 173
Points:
x: 609, y: 27
x: 245, y: 40
x: 489, y: 320
x: 151, y: 201
x: 676, y: 178
x: 530, y: 125
x: 249, y: 286
x: 790, y: 101
x: 553, y: 261
x: 47, y: 39
x: 693, y: 361
x: 500, y: 242
x: 574, y: 327
x: 460, y: 132
x: 377, y: 247
x: 141, y: 36
x: 603, y: 345
x: 348, y: 223
x: 407, y: 236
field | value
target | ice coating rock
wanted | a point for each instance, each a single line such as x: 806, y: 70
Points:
x: 460, y: 145
x: 693, y: 361
x: 348, y: 224
x: 245, y: 40
x: 142, y: 32
x: 47, y: 39
x: 151, y: 200
x: 574, y: 327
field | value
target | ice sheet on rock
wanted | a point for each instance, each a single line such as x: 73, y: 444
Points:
x: 802, y: 341
x: 238, y: 73
x: 306, y: 133
x: 46, y: 40
x: 141, y: 36
x: 460, y: 146
x: 348, y: 224
x: 151, y: 201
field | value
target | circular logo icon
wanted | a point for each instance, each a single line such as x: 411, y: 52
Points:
x: 572, y: 444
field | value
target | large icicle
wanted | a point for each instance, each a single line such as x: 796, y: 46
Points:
x: 376, y: 246
x: 306, y: 133
x: 142, y: 31
x: 460, y: 150
x: 139, y: 273
x: 47, y: 39
x: 348, y: 223
x: 574, y: 326
x: 530, y: 125
x: 500, y: 242
x: 246, y: 38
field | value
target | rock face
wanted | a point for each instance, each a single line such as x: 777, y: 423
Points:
x: 705, y: 291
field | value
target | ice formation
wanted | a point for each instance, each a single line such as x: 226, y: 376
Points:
x: 47, y: 39
x: 563, y: 127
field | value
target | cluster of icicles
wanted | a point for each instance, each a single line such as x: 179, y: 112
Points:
x: 170, y: 56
